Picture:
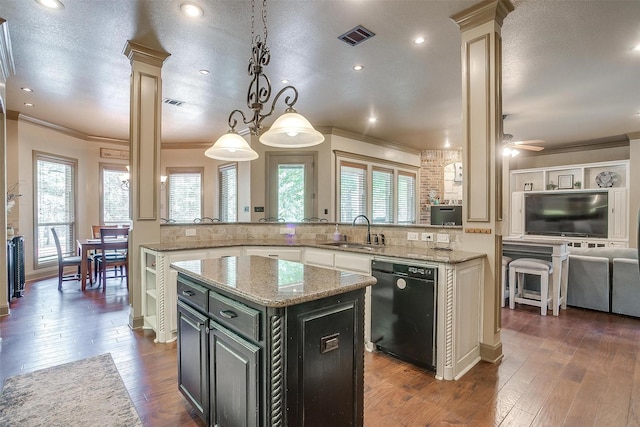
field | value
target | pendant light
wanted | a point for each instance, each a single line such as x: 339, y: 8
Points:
x: 291, y: 130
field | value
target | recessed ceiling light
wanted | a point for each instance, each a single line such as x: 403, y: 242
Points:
x: 284, y: 81
x: 419, y: 40
x: 204, y: 72
x: 637, y: 47
x: 191, y: 10
x: 372, y: 119
x: 28, y: 104
x: 358, y: 68
x: 51, y: 4
x: 26, y: 89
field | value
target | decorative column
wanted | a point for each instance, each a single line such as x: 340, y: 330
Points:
x: 7, y: 68
x: 144, y: 162
x: 480, y: 27
x: 634, y: 188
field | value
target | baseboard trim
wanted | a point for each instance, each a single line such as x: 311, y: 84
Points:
x: 136, y: 322
x: 491, y: 354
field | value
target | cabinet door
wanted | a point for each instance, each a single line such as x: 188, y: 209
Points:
x: 618, y: 213
x: 288, y: 254
x: 192, y: 358
x: 352, y: 262
x: 319, y: 257
x: 517, y: 212
x: 234, y: 379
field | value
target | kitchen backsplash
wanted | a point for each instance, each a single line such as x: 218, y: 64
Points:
x: 394, y: 235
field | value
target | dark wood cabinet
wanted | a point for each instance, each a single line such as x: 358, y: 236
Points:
x: 299, y: 365
x: 193, y: 358
x: 234, y: 379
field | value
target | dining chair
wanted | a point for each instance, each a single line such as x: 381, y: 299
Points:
x: 113, y: 258
x: 97, y: 255
x: 65, y: 261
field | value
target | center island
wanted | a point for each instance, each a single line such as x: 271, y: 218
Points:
x: 269, y: 342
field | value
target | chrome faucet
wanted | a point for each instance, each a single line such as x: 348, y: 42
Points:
x: 368, y: 226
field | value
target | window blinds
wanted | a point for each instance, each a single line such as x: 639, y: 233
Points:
x: 406, y: 198
x: 228, y: 179
x: 353, y: 191
x: 185, y: 196
x: 382, y: 196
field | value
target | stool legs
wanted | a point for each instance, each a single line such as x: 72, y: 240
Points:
x: 512, y: 288
x: 544, y: 294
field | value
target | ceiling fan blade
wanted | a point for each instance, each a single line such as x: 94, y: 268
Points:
x: 529, y: 147
x: 530, y: 141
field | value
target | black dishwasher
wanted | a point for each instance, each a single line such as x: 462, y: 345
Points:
x: 403, y: 311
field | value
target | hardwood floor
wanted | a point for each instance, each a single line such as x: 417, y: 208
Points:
x: 580, y: 369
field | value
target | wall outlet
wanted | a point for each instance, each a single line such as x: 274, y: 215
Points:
x: 190, y: 232
x: 286, y: 230
x: 443, y: 238
x: 412, y: 236
x: 427, y: 237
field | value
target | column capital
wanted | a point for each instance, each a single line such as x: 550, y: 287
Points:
x: 147, y: 55
x: 481, y: 13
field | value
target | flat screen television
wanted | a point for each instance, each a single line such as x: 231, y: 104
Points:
x: 567, y: 214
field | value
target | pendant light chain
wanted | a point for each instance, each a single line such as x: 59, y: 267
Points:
x: 264, y: 19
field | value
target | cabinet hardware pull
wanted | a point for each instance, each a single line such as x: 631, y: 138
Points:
x: 188, y: 293
x: 228, y: 314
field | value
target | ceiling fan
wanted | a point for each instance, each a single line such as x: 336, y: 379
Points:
x: 512, y: 147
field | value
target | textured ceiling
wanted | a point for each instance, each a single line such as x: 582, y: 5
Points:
x: 570, y: 73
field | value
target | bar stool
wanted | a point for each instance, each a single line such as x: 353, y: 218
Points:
x: 517, y: 292
x: 505, y: 292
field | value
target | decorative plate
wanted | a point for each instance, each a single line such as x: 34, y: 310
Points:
x: 606, y: 179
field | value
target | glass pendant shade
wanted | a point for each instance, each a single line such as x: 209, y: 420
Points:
x: 291, y: 130
x: 231, y: 147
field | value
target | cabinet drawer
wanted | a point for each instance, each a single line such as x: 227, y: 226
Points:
x: 193, y: 294
x: 234, y: 315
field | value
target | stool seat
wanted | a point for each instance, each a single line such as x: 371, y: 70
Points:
x: 517, y: 293
x: 533, y: 264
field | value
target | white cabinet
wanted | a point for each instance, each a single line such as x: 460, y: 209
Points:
x: 159, y: 287
x: 288, y: 254
x: 605, y: 176
x: 517, y: 213
x: 618, y: 213
x: 339, y: 260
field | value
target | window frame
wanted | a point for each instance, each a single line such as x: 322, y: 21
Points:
x: 276, y: 158
x: 73, y: 163
x: 116, y: 167
x: 224, y: 168
x: 178, y: 171
x: 370, y: 164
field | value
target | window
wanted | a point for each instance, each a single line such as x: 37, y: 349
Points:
x: 406, y: 197
x: 386, y: 193
x: 353, y: 191
x: 114, y: 203
x: 228, y: 178
x: 55, y: 206
x: 184, y: 194
x: 382, y: 196
x: 293, y: 178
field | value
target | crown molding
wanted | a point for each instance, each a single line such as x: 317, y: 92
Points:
x: 15, y: 115
x: 633, y: 135
x: 186, y: 145
x: 594, y: 144
x: 7, y: 66
x: 327, y: 130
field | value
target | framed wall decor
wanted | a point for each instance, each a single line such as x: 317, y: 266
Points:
x: 111, y: 153
x: 565, y: 182
x: 528, y: 186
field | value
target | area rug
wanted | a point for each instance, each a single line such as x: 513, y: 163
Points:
x: 88, y: 392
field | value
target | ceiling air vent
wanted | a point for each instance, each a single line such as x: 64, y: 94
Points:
x: 173, y: 102
x: 356, y: 35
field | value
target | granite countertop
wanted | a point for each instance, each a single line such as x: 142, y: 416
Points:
x: 271, y: 282
x: 403, y: 252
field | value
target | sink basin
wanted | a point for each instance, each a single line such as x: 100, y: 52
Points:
x: 350, y: 245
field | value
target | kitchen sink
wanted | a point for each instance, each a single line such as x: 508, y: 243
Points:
x: 350, y: 245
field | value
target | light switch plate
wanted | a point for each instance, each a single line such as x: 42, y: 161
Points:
x: 427, y: 237
x: 443, y: 238
x: 412, y: 236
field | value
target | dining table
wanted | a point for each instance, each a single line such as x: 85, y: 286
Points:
x: 87, y: 246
